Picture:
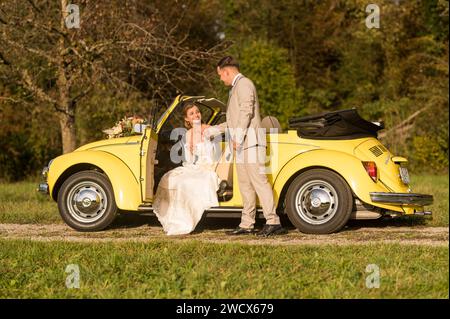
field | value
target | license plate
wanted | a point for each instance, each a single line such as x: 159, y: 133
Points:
x: 404, y: 175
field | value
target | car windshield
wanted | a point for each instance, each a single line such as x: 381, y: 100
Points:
x: 160, y: 113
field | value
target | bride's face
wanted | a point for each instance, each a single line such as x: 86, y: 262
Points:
x: 193, y: 114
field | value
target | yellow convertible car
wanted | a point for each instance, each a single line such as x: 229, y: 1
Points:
x: 324, y: 170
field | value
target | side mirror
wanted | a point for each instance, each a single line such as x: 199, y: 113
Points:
x: 139, y: 128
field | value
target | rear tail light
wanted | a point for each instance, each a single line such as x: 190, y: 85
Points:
x: 371, y: 169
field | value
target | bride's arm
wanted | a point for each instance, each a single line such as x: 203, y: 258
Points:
x: 189, y: 145
x: 188, y: 148
x: 212, y: 131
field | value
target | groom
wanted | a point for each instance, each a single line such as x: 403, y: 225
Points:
x: 243, y: 120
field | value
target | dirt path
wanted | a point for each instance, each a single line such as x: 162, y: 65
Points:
x: 417, y: 235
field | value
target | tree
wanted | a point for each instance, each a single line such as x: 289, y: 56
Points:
x: 126, y: 44
x: 268, y: 67
x: 397, y: 73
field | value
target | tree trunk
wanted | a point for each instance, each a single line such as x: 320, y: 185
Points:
x: 67, y: 124
x: 67, y: 115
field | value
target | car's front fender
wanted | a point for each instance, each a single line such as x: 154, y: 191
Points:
x: 125, y: 184
x: 347, y: 166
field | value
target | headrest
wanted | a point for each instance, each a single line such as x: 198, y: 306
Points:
x: 271, y: 122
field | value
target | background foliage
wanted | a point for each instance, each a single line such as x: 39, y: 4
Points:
x: 304, y: 57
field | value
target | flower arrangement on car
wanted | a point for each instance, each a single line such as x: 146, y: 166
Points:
x: 125, y: 127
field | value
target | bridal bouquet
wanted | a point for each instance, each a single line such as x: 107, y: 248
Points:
x: 125, y: 127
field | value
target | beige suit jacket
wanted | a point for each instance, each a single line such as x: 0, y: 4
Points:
x: 243, y: 117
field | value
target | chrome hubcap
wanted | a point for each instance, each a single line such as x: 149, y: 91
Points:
x: 316, y: 202
x: 87, y: 202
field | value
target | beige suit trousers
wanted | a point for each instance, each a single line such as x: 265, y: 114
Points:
x: 253, y: 182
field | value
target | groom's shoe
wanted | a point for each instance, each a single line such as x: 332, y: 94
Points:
x: 270, y: 230
x: 240, y: 231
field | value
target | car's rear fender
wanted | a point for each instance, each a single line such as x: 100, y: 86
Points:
x: 125, y: 185
x: 347, y: 166
x: 388, y: 167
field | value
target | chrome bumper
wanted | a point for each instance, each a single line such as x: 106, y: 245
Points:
x: 43, y: 188
x: 402, y: 199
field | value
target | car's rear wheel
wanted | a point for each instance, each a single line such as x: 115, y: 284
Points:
x: 86, y: 201
x: 319, y: 201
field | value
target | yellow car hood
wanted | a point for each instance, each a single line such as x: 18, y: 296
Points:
x: 111, y: 142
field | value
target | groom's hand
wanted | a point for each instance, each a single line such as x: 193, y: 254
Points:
x: 208, y: 133
x: 236, y: 146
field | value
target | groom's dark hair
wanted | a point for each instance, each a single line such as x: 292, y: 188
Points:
x: 228, y: 61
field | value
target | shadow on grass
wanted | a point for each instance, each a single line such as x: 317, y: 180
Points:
x: 404, y: 221
x: 134, y: 220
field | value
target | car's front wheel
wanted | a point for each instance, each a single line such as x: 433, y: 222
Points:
x: 319, y: 201
x: 86, y: 201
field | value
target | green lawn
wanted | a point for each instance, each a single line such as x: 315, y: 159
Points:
x: 194, y: 269
x: 438, y: 187
x: 198, y: 270
x: 20, y: 203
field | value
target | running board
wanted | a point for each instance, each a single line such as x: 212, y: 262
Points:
x: 145, y: 208
x: 365, y: 215
x: 212, y: 212
x: 362, y: 211
x: 237, y: 212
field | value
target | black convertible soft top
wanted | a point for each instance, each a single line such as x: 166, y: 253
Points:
x: 338, y: 125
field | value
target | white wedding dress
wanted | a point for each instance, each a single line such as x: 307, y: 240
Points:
x: 185, y: 192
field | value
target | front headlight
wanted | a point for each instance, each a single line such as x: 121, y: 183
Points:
x: 45, y: 173
x: 45, y: 170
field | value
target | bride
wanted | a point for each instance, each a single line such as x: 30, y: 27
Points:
x: 185, y: 192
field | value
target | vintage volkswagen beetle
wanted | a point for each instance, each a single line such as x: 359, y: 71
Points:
x: 326, y: 170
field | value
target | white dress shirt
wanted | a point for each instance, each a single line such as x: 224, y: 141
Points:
x: 235, y: 79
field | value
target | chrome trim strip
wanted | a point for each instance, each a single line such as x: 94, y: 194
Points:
x: 424, y: 213
x: 118, y: 144
x: 299, y: 144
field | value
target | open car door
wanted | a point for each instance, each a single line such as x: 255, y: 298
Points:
x: 157, y: 144
x: 148, y: 162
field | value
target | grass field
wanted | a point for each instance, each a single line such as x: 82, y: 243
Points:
x: 20, y: 203
x: 198, y: 270
x: 193, y: 268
